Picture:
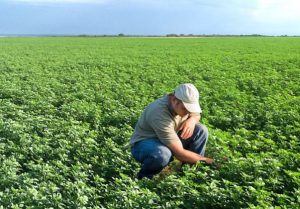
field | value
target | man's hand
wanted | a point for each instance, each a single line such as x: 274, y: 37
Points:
x: 188, y: 126
x: 209, y: 161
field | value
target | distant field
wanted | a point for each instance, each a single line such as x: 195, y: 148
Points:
x: 68, y: 107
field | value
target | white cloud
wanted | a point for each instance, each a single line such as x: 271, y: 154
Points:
x: 277, y: 11
x: 62, y: 1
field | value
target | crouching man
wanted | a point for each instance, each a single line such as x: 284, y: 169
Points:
x: 170, y: 126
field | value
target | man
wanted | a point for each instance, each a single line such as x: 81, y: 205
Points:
x: 170, y: 126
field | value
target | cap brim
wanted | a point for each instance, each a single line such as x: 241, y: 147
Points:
x: 192, y: 107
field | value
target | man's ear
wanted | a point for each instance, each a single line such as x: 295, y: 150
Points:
x: 173, y: 98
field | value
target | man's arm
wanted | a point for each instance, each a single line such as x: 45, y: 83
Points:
x: 187, y: 156
x: 188, y: 126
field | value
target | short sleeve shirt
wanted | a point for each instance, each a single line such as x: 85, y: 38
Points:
x: 158, y: 122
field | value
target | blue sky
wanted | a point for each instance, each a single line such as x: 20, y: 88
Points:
x: 150, y: 17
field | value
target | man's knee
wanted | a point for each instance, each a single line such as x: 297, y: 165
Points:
x: 162, y: 157
x: 201, y: 130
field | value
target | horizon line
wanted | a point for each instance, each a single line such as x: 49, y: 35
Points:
x: 136, y: 35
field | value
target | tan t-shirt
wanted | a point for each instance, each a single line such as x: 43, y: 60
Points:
x: 158, y: 122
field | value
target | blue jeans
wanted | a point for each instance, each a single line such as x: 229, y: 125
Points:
x: 154, y: 155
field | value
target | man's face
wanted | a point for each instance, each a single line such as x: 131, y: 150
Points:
x: 179, y: 107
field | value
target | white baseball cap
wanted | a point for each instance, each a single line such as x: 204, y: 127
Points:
x: 189, y: 96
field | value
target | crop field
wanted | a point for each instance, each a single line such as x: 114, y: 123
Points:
x: 68, y: 106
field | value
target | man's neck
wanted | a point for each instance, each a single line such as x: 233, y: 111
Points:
x: 170, y: 108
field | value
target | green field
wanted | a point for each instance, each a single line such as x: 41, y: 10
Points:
x: 68, y: 107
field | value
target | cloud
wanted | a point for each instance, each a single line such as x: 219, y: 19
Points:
x: 277, y: 11
x: 39, y: 2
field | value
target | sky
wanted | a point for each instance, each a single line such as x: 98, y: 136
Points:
x: 149, y: 17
